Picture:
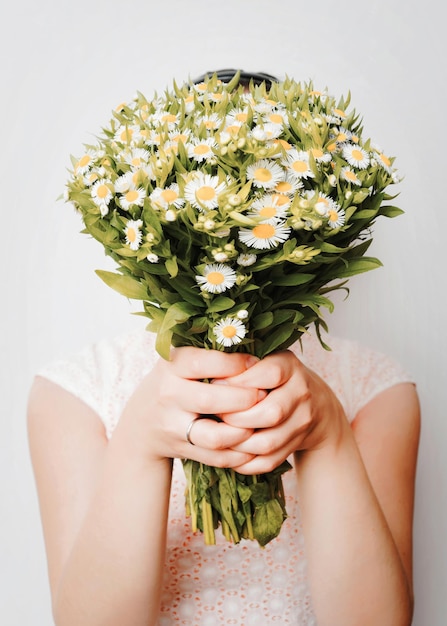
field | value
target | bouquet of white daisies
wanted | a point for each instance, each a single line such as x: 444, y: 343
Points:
x: 232, y: 213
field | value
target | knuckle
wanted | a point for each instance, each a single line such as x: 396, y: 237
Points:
x: 275, y: 375
x: 273, y: 413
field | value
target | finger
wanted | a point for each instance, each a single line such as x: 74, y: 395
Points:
x: 197, y: 363
x: 272, y: 410
x: 268, y: 373
x: 203, y: 398
x: 215, y: 435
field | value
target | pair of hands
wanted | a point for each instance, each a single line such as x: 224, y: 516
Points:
x: 268, y: 409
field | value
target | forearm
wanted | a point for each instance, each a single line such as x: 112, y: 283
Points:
x: 113, y: 575
x: 355, y: 569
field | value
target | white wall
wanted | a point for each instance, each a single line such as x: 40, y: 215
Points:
x: 65, y: 65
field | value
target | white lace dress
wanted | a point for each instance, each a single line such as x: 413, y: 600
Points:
x: 226, y: 584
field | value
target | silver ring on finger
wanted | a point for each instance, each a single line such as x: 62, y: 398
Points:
x: 188, y: 430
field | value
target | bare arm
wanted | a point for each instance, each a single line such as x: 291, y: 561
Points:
x: 104, y: 504
x: 356, y: 487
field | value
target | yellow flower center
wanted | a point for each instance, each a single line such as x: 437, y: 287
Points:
x: 331, y: 147
x: 215, y: 278
x: 263, y: 231
x: 85, y: 160
x: 241, y: 117
x: 275, y: 118
x: 339, y: 112
x: 205, y: 193
x: 136, y: 161
x: 341, y: 137
x: 268, y: 211
x: 131, y: 195
x: 280, y: 200
x: 131, y: 234
x: 169, y: 195
x: 283, y: 187
x: 229, y: 332
x: 321, y: 200
x: 333, y: 216
x: 181, y: 137
x: 385, y: 160
x: 357, y: 155
x: 233, y: 129
x: 263, y: 174
x: 350, y: 176
x: 317, y: 153
x: 102, y: 191
x: 126, y: 135
x: 285, y: 144
x: 299, y: 166
x: 168, y: 117
x: 202, y: 148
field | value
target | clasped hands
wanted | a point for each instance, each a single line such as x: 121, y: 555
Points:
x: 268, y: 409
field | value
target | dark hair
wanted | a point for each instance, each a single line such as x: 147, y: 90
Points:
x: 245, y: 78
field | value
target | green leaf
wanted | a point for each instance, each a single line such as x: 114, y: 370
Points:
x: 177, y: 313
x: 390, y: 211
x: 221, y: 303
x: 292, y: 280
x: 263, y: 320
x: 124, y: 285
x: 276, y: 339
x: 267, y: 521
x: 358, y: 266
x: 172, y: 266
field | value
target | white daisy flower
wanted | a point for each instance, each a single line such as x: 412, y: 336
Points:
x: 137, y: 157
x: 127, y: 134
x: 102, y: 192
x: 270, y: 207
x: 350, y: 176
x: 245, y: 260
x: 289, y: 186
x: 133, y: 234
x: 190, y: 103
x: 85, y: 162
x: 297, y: 163
x: 384, y: 162
x: 265, y: 132
x: 217, y: 278
x: 341, y: 135
x: 264, y: 236
x: 123, y: 183
x: 90, y: 178
x: 165, y: 118
x: 277, y: 117
x: 265, y: 174
x: 320, y: 156
x: 154, y: 138
x: 164, y: 197
x: 211, y: 122
x: 356, y: 156
x: 180, y: 137
x: 201, y: 149
x: 132, y: 197
x: 203, y: 191
x: 237, y: 117
x: 264, y: 107
x: 323, y: 202
x: 229, y: 331
x: 336, y: 217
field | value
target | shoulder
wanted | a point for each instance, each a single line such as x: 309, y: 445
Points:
x: 355, y: 372
x: 104, y: 374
